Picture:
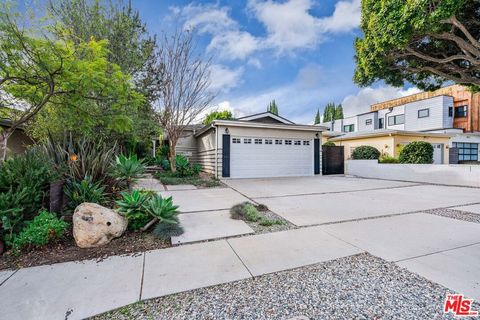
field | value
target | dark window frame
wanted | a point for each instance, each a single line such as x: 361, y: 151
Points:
x: 350, y: 126
x: 380, y: 123
x: 368, y: 122
x: 467, y: 151
x: 423, y: 116
x: 395, y: 121
x: 450, y: 112
x: 461, y: 111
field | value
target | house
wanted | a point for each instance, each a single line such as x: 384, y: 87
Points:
x: 18, y: 142
x: 260, y: 145
x: 452, y: 111
x: 390, y: 142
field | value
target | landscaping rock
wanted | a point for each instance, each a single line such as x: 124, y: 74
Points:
x: 94, y: 225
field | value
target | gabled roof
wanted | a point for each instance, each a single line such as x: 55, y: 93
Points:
x: 265, y: 114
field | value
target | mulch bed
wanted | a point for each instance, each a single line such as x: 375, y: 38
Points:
x: 66, y: 250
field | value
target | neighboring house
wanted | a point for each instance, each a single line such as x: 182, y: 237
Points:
x: 261, y: 145
x: 390, y: 142
x: 452, y: 110
x: 18, y: 141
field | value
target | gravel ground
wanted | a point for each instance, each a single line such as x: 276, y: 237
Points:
x: 355, y: 287
x: 456, y: 214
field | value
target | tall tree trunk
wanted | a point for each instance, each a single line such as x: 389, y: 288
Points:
x: 173, y: 155
x: 4, y: 135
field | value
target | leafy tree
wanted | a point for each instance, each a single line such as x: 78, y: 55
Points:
x: 332, y: 112
x: 338, y: 112
x: 273, y: 108
x: 187, y: 93
x: 39, y: 73
x: 217, y: 115
x: 423, y: 42
x: 317, y: 117
x: 130, y: 47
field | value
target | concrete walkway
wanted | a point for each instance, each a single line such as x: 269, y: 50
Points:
x: 75, y: 290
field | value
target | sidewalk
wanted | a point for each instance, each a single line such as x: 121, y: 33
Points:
x: 75, y: 290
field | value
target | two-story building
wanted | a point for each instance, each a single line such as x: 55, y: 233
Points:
x: 452, y: 113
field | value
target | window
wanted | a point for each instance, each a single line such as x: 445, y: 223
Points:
x: 247, y: 141
x: 380, y: 123
x: 450, y: 112
x: 349, y: 128
x: 258, y: 141
x: 424, y: 113
x: 466, y: 151
x: 461, y: 112
x: 306, y: 142
x: 288, y: 142
x: 368, y: 122
x: 398, y: 119
x: 297, y: 142
x: 236, y: 140
x: 278, y: 141
x: 268, y: 141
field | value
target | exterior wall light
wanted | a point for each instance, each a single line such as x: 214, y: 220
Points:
x: 227, y: 131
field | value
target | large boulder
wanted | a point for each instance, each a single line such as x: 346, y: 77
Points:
x: 94, y: 225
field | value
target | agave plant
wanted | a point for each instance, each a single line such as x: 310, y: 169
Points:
x: 131, y: 206
x: 127, y: 169
x: 162, y: 209
x: 182, y: 164
x: 84, y: 191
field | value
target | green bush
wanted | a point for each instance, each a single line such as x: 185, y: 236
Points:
x: 182, y: 164
x: 385, y: 158
x: 365, y: 153
x: 24, y: 182
x: 196, y: 169
x: 127, y: 169
x: 165, y: 164
x: 131, y: 206
x: 44, y: 228
x: 329, y: 144
x: 78, y: 192
x: 417, y: 152
x: 248, y: 212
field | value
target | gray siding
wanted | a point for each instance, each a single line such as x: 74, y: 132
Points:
x: 438, y: 114
x: 362, y: 119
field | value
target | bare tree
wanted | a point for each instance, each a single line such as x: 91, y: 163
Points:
x: 185, y: 93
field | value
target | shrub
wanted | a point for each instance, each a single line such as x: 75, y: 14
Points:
x: 127, y: 169
x: 165, y: 231
x: 329, y: 144
x: 84, y: 191
x: 131, y: 206
x: 196, y: 169
x: 248, y: 212
x: 417, y: 152
x: 163, y: 151
x: 165, y: 164
x: 182, y: 164
x: 24, y: 181
x: 385, y: 158
x: 44, y: 228
x: 365, y: 153
x: 82, y: 157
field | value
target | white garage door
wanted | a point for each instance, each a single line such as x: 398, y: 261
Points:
x: 252, y: 157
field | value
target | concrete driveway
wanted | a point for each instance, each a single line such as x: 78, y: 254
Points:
x: 316, y: 200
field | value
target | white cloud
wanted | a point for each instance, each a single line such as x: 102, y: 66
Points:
x: 360, y: 103
x: 223, y: 78
x: 290, y: 25
x: 345, y: 18
x: 233, y: 45
x: 206, y: 18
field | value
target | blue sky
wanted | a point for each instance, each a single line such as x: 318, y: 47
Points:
x: 298, y: 52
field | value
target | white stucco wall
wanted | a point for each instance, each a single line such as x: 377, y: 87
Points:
x: 459, y: 175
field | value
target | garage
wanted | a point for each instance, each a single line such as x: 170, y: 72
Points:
x: 252, y: 157
x: 260, y: 145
